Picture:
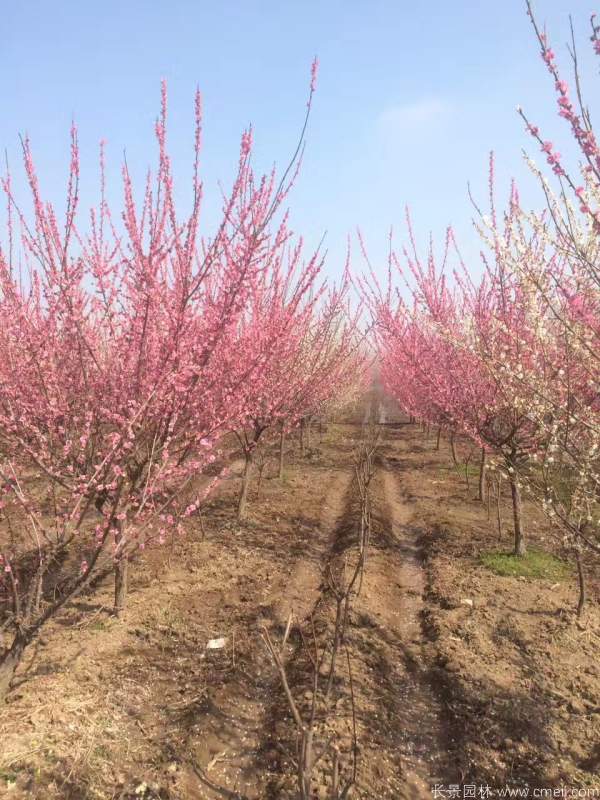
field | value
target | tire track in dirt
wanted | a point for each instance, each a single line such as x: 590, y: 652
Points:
x: 300, y: 592
x: 401, y: 721
x: 238, y: 753
x: 402, y: 586
x: 401, y: 732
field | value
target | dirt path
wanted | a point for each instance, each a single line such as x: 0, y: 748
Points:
x: 401, y: 730
x: 299, y: 593
x: 400, y: 586
x: 236, y: 755
x: 245, y: 740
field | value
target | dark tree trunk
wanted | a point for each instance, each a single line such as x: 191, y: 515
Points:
x: 261, y: 470
x: 482, y: 469
x: 498, y: 512
x: 121, y: 585
x: 302, y: 437
x: 520, y: 548
x: 121, y: 575
x: 243, y: 501
x: 581, y: 579
x: 281, y: 451
x: 439, y: 436
x: 9, y: 663
x: 453, y: 449
x: 467, y: 462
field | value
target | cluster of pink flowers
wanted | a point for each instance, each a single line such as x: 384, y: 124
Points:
x: 579, y: 122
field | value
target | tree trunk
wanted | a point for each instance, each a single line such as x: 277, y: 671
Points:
x: 308, y: 424
x: 261, y: 469
x: 9, y: 663
x: 482, y: 468
x: 121, y: 585
x: 121, y: 574
x: 581, y: 578
x: 467, y: 474
x: 498, y: 512
x: 520, y: 549
x: 245, y: 484
x: 281, y: 451
x: 302, y: 436
x: 34, y: 595
x: 439, y: 436
x: 453, y: 449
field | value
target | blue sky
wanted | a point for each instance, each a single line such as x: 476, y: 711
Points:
x: 411, y: 98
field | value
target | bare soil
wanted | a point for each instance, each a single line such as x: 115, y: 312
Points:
x: 459, y: 675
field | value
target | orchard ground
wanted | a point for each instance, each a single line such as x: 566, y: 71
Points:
x: 467, y: 669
